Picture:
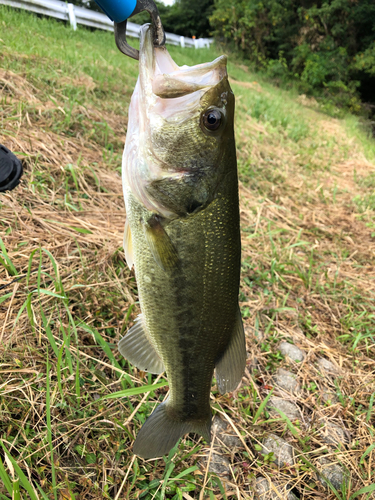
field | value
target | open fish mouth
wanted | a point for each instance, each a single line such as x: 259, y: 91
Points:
x: 167, y: 117
x: 162, y: 78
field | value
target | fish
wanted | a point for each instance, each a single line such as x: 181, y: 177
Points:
x: 182, y: 234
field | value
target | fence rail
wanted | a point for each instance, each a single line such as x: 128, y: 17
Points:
x: 78, y: 15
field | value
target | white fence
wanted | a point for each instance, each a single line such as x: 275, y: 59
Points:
x: 78, y: 15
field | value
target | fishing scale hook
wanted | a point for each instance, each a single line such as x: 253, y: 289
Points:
x: 159, y: 33
x: 119, y: 11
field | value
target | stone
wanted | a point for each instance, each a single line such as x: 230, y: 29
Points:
x: 286, y: 380
x: 225, y: 434
x: 292, y: 351
x: 327, y: 366
x: 329, y: 397
x: 283, y: 451
x: 332, y: 471
x: 290, y: 409
x: 219, y: 464
x: 252, y: 332
x: 252, y: 362
x: 265, y: 490
x: 333, y: 434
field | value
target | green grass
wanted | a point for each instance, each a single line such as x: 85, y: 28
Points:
x: 356, y: 129
x: 70, y: 405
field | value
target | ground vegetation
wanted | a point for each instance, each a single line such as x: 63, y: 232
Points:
x: 70, y: 405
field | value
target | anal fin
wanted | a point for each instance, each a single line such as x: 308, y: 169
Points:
x: 231, y: 366
x: 160, y: 244
x: 137, y: 348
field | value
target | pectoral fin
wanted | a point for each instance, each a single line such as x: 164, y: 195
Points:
x: 128, y: 245
x: 160, y: 244
x: 137, y: 348
x: 231, y: 366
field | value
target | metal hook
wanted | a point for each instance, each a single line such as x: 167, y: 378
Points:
x: 159, y: 33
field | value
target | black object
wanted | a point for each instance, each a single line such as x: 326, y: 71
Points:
x: 10, y: 169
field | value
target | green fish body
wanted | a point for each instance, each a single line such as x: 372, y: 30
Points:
x: 183, y: 237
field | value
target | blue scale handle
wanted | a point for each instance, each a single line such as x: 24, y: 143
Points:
x: 117, y: 10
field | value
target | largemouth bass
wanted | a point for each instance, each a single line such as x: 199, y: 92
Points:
x: 183, y: 236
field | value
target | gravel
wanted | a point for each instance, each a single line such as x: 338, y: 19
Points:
x: 292, y: 351
x: 326, y: 366
x: 219, y: 464
x: 290, y: 409
x: 283, y: 451
x: 332, y: 471
x: 286, y: 380
x: 265, y: 490
x: 333, y: 434
x: 226, y: 442
x: 328, y: 396
x: 225, y: 434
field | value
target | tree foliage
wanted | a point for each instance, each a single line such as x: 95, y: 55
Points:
x: 190, y: 18
x: 184, y: 17
x: 328, y: 45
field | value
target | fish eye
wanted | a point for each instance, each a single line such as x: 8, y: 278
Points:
x: 212, y: 119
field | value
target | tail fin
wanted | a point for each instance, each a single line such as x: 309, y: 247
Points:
x: 161, y: 432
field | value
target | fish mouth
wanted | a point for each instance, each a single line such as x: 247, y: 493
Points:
x: 165, y: 120
x: 161, y: 77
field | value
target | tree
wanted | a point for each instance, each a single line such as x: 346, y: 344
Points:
x: 329, y: 45
x: 184, y: 17
x: 191, y: 17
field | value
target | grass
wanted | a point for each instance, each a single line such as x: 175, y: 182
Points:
x: 70, y: 406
